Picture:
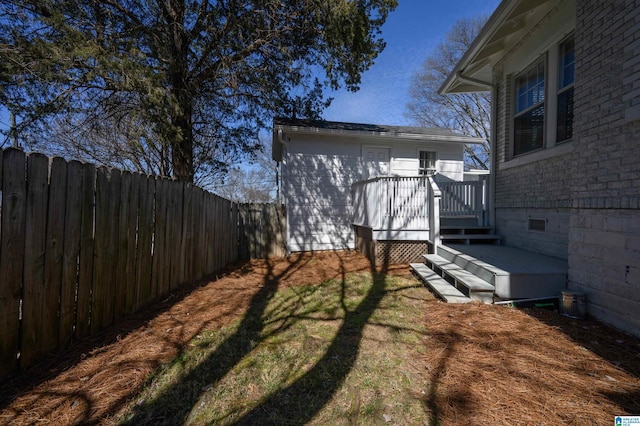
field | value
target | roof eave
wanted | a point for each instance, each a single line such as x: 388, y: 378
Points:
x: 383, y: 135
x: 489, y: 28
x: 511, y: 19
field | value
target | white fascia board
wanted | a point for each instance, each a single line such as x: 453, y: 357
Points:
x: 492, y: 25
x: 382, y: 135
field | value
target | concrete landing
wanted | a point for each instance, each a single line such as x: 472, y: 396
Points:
x: 515, y: 273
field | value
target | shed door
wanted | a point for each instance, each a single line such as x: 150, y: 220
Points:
x: 376, y: 161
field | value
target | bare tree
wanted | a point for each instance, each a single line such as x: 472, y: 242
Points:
x: 254, y: 181
x: 468, y: 113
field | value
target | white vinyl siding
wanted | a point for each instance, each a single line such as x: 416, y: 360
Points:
x: 317, y: 173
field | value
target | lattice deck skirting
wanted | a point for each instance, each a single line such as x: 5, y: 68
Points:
x: 393, y: 252
x: 385, y: 252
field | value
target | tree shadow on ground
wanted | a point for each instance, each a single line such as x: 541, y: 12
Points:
x: 178, y: 400
x: 614, y: 346
x: 51, y: 366
x: 618, y: 348
x: 294, y: 404
x: 299, y: 402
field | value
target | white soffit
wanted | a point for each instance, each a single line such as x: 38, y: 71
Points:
x: 505, y: 28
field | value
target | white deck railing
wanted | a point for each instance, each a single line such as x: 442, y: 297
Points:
x: 413, y: 205
x: 464, y: 199
x: 393, y: 203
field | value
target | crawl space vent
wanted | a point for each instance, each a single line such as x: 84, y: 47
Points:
x: 539, y: 225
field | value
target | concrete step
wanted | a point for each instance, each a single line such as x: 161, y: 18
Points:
x: 470, y: 285
x: 480, y: 269
x: 458, y: 221
x: 439, y: 285
x: 473, y: 228
x: 468, y: 238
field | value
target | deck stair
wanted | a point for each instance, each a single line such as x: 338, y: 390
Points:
x: 465, y: 229
x: 470, y: 285
x: 490, y: 272
x: 439, y: 285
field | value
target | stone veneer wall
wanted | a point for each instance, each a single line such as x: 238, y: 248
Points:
x: 604, y: 234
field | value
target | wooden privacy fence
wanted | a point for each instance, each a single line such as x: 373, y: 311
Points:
x: 80, y: 246
x: 262, y: 231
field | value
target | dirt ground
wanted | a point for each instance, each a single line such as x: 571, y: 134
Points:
x: 486, y: 363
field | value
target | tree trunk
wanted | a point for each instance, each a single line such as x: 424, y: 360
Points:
x: 182, y: 157
x: 181, y: 116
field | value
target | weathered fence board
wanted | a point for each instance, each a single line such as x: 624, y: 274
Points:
x: 123, y: 245
x: 185, y: 241
x: 53, y: 261
x: 34, y: 312
x: 106, y: 247
x: 71, y: 252
x: 131, y: 227
x: 12, y: 240
x: 157, y: 274
x: 262, y: 231
x: 87, y: 251
x: 175, y: 230
x: 143, y: 274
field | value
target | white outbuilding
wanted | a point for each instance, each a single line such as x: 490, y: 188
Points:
x: 320, y: 160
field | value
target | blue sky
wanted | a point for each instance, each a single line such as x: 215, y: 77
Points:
x: 412, y: 31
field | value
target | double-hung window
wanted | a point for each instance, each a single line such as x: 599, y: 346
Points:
x: 427, y: 163
x: 566, y: 58
x: 529, y: 111
x: 539, y: 121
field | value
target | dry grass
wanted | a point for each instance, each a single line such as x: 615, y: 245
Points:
x: 489, y: 364
x: 305, y: 341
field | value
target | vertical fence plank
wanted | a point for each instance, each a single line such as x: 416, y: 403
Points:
x: 209, y: 212
x: 132, y: 232
x: 261, y: 229
x: 71, y: 252
x: 197, y: 234
x: 54, y: 253
x: 123, y: 246
x: 165, y: 272
x: 34, y: 291
x: 145, y: 244
x: 168, y: 235
x: 106, y: 247
x: 11, y: 255
x: 186, y: 233
x: 158, y: 240
x: 11, y: 252
x: 176, y: 232
x: 87, y: 249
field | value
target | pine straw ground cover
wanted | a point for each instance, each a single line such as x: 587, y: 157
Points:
x: 324, y: 339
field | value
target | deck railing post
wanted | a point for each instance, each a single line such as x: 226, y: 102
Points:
x: 434, y: 212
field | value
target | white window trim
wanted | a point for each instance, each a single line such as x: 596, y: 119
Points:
x: 513, y: 101
x: 553, y: 123
x: 435, y: 162
x: 550, y: 57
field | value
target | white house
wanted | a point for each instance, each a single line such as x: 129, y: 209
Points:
x: 321, y: 160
